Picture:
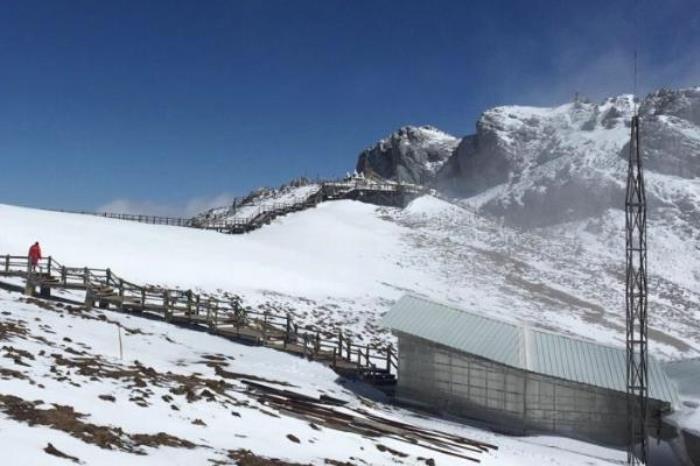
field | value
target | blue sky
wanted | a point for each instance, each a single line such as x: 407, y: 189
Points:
x: 172, y: 106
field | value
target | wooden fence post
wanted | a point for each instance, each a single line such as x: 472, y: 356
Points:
x: 7, y: 263
x: 264, y: 332
x: 49, y: 266
x: 166, y: 305
x: 287, y: 330
x: 89, y: 298
x: 388, y: 358
x: 121, y: 294
x: 29, y: 289
x: 209, y: 320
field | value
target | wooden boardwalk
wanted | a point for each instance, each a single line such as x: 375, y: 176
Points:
x: 225, y: 317
x: 384, y: 193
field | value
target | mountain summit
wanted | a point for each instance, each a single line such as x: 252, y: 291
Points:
x: 412, y: 154
x: 536, y: 166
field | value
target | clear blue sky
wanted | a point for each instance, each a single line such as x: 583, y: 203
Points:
x: 164, y: 103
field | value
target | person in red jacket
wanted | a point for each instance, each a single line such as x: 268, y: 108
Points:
x: 34, y: 255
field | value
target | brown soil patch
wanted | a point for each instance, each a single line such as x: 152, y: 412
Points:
x: 141, y: 379
x: 7, y: 374
x: 10, y: 328
x: 248, y: 458
x: 66, y: 419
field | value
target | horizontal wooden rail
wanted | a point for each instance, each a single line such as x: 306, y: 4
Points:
x: 224, y: 316
x: 263, y: 213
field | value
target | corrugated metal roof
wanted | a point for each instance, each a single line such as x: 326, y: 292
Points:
x: 522, y: 347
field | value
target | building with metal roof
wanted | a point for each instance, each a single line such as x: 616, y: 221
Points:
x: 515, y: 377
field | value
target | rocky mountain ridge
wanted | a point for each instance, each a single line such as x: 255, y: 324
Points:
x: 412, y: 154
x: 537, y: 166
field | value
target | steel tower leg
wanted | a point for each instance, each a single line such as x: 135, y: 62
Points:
x: 636, y: 304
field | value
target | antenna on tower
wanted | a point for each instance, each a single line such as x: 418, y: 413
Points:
x: 634, y: 92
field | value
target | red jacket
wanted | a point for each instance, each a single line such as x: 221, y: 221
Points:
x: 35, y: 253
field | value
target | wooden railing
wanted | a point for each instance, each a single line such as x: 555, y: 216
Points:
x: 266, y: 212
x: 262, y: 214
x: 141, y: 218
x: 224, y: 316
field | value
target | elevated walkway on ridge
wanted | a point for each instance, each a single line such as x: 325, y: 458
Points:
x: 358, y: 189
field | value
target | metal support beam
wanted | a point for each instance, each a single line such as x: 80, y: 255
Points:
x: 636, y: 303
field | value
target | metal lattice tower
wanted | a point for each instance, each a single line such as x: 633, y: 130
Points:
x: 636, y: 303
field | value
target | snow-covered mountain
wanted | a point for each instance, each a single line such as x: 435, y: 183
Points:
x: 535, y: 236
x: 542, y: 166
x: 411, y: 154
x: 537, y: 166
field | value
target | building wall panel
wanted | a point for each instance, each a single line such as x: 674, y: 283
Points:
x: 517, y: 401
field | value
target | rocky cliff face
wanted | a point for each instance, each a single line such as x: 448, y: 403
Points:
x: 543, y: 166
x: 539, y: 166
x: 412, y: 154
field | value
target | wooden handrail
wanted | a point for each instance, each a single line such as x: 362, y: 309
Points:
x: 218, y: 311
x: 268, y: 211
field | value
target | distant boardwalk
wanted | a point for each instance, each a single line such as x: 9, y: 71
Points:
x: 359, y: 189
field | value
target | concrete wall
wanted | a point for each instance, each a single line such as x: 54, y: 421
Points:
x: 512, y: 400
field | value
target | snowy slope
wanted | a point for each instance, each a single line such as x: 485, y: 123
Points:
x: 339, y: 265
x: 342, y: 264
x: 177, y: 397
x: 568, y: 277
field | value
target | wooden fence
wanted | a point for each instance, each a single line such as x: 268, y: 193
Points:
x: 382, y: 193
x: 222, y: 316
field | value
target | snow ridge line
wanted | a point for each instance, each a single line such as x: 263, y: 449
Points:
x: 225, y: 317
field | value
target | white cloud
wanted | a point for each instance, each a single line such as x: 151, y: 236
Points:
x: 607, y: 75
x: 187, y: 209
